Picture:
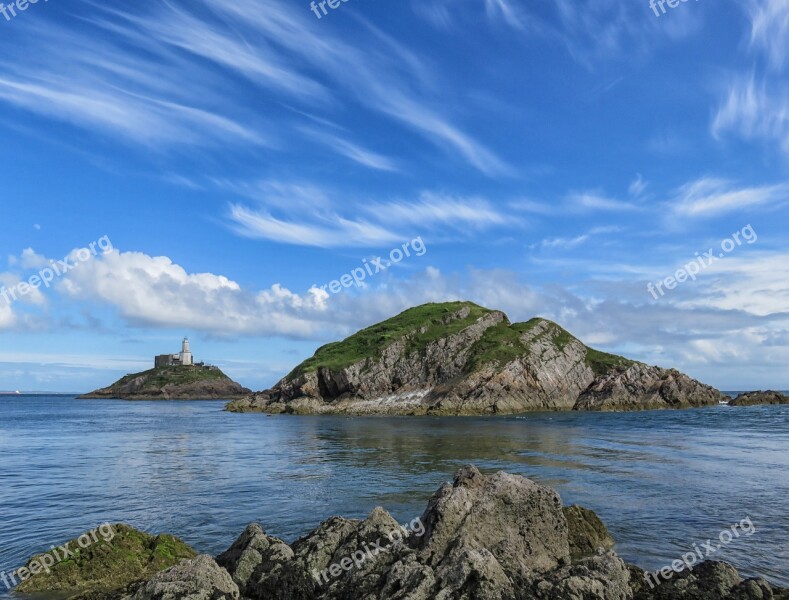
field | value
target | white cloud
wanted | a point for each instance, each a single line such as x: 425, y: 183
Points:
x: 7, y: 319
x: 564, y: 243
x: 709, y: 196
x: 595, y: 201
x: 31, y: 260
x: 155, y: 292
x: 637, y: 186
x: 770, y: 29
x: 755, y: 112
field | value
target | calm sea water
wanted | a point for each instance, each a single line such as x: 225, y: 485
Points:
x: 661, y: 480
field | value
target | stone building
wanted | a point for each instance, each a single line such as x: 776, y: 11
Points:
x: 183, y: 358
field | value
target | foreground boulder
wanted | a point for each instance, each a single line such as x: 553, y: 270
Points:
x: 756, y: 398
x: 458, y: 358
x: 106, y: 558
x: 196, y: 579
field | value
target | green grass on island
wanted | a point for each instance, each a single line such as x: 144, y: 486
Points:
x: 427, y: 323
x: 424, y: 324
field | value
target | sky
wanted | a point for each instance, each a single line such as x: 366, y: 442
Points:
x: 208, y: 169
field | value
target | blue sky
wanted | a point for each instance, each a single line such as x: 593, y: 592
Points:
x: 555, y: 158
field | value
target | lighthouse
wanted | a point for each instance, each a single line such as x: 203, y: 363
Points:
x: 186, y: 353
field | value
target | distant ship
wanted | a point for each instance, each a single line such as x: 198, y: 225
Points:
x: 16, y: 393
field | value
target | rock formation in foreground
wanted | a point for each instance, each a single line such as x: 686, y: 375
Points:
x: 458, y: 358
x: 173, y: 383
x: 756, y: 398
x: 496, y: 537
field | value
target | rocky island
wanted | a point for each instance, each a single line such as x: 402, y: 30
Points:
x: 481, y: 537
x: 458, y: 358
x: 174, y: 377
x: 758, y: 398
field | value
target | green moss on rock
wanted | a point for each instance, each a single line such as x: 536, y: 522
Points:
x: 108, y: 563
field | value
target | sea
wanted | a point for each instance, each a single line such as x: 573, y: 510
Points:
x: 662, y: 481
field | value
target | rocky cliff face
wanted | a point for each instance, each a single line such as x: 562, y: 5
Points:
x: 172, y: 383
x: 481, y: 537
x: 461, y: 359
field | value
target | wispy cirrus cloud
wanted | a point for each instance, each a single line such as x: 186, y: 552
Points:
x: 599, y: 201
x: 325, y: 231
x: 173, y: 74
x: 754, y: 102
x: 770, y: 29
x: 353, y: 151
x: 710, y: 196
x: 372, y: 223
x: 439, y: 209
x: 755, y: 111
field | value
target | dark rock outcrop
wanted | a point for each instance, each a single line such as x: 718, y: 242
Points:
x: 756, y: 398
x: 172, y: 383
x: 462, y: 359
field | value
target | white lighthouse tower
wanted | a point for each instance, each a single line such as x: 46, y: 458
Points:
x: 186, y: 353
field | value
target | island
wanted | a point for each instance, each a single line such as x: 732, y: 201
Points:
x: 174, y: 377
x: 459, y: 358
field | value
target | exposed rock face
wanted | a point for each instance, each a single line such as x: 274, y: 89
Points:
x: 172, y: 383
x: 644, y: 387
x: 461, y: 359
x: 105, y: 559
x: 756, y: 398
x: 482, y: 537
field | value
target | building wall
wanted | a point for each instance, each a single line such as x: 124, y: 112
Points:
x: 163, y: 360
